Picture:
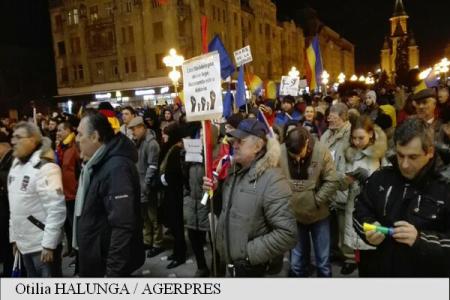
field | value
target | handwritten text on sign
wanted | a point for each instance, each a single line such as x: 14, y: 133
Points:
x: 289, y: 85
x: 193, y: 149
x: 243, y: 56
x: 202, y: 87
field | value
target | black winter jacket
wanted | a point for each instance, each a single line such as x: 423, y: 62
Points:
x: 110, y: 227
x: 424, y: 202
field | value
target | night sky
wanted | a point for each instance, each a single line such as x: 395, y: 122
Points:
x: 366, y: 22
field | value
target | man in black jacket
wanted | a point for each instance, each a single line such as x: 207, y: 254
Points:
x: 6, y: 159
x: 107, y: 222
x: 413, y: 197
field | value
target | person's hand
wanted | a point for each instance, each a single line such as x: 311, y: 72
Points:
x: 209, y: 184
x: 373, y: 237
x: 47, y: 255
x: 349, y: 179
x: 405, y: 233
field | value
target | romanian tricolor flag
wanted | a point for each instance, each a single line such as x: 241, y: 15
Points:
x: 254, y: 83
x: 270, y: 88
x: 314, y: 66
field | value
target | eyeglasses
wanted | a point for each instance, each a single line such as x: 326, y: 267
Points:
x: 18, y: 137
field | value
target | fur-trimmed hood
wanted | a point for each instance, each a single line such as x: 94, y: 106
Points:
x: 270, y: 159
x: 375, y: 151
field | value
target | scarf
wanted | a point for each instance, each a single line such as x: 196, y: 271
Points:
x: 84, y: 182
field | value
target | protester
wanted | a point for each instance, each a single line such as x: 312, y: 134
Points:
x: 252, y: 236
x: 36, y: 201
x: 411, y: 196
x: 107, y: 221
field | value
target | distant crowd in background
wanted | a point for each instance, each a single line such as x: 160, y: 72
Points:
x: 294, y: 176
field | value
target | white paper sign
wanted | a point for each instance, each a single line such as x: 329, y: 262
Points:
x: 193, y: 149
x: 243, y: 56
x: 202, y: 87
x: 289, y: 86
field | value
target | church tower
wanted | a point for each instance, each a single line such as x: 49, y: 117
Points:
x: 400, y: 50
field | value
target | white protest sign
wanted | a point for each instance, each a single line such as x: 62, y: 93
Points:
x: 243, y: 56
x: 193, y: 149
x: 289, y: 86
x: 202, y: 87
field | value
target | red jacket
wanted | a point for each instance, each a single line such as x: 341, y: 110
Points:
x: 69, y: 161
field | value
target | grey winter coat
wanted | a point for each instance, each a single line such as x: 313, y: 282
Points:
x: 338, y: 142
x: 255, y: 221
x: 195, y: 213
x: 147, y: 164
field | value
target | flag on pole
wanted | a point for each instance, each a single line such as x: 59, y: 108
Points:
x: 270, y: 89
x: 262, y: 118
x: 240, y: 89
x: 314, y: 66
x: 228, y: 104
x: 226, y: 65
x: 254, y: 83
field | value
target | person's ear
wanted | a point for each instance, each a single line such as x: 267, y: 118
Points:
x: 95, y: 137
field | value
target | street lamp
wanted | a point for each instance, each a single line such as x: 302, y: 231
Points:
x: 341, y: 78
x: 362, y: 78
x: 325, y: 77
x: 173, y: 60
x: 353, y: 78
x: 294, y: 73
x: 443, y: 68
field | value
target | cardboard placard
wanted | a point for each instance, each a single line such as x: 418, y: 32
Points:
x: 243, y: 56
x: 289, y: 86
x: 202, y: 87
x: 193, y: 149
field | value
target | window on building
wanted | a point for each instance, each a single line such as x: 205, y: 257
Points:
x: 235, y: 19
x: 249, y: 27
x: 181, y: 26
x: 76, y: 17
x: 201, y: 3
x: 133, y: 66
x: 158, y: 33
x: 100, y: 70
x: 110, y: 40
x: 124, y: 35
x: 93, y: 13
x: 75, y: 45
x: 267, y: 31
x: 64, y: 74
x: 214, y: 12
x: 58, y: 23
x: 61, y: 48
x: 260, y: 28
x: 130, y: 35
x: 109, y: 7
x: 236, y: 42
x: 224, y: 16
x: 218, y: 14
x: 80, y: 72
x: 114, y: 69
x: 159, y: 61
x: 129, y: 6
x: 127, y: 65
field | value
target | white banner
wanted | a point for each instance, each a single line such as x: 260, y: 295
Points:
x: 243, y: 56
x: 202, y: 87
x: 223, y: 289
x: 289, y: 86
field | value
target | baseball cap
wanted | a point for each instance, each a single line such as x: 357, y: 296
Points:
x: 424, y: 94
x: 249, y: 127
x: 135, y: 122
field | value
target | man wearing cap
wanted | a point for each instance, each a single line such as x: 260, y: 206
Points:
x: 147, y: 165
x: 425, y: 102
x: 255, y: 227
x: 289, y: 112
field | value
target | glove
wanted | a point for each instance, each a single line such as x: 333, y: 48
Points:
x: 360, y: 174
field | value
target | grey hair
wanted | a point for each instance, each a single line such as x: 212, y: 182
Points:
x: 341, y: 110
x: 31, y: 129
x: 257, y: 140
x: 412, y: 128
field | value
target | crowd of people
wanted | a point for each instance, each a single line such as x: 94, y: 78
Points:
x: 295, y: 176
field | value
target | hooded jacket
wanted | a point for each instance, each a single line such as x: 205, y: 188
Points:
x: 255, y: 221
x: 147, y: 164
x: 35, y: 189
x: 388, y: 197
x: 370, y: 159
x: 311, y: 197
x: 337, y: 142
x: 109, y: 230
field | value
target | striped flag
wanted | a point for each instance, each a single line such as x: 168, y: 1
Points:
x: 262, y: 118
x: 314, y: 66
